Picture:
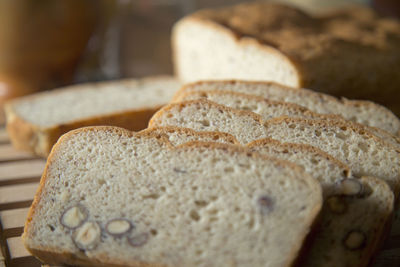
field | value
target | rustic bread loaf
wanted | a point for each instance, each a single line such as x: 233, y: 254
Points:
x: 112, y: 197
x: 177, y: 135
x: 35, y: 122
x: 366, y: 154
x: 352, y: 223
x: 340, y: 54
x: 269, y: 109
x: 363, y: 112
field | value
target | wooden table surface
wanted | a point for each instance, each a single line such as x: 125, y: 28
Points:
x: 19, y: 178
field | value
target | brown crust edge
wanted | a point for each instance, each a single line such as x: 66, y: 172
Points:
x: 228, y: 138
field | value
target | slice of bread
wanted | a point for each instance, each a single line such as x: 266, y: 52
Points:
x: 343, y: 216
x: 364, y: 214
x: 203, y: 115
x: 177, y: 135
x: 35, y: 122
x: 269, y: 109
x: 112, y: 197
x: 261, y: 41
x: 366, y: 154
x: 363, y: 112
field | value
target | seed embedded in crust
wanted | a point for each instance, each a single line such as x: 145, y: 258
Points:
x: 74, y: 216
x: 118, y: 227
x: 337, y: 204
x: 87, y: 236
x: 351, y: 187
x: 354, y: 240
x: 265, y: 204
x: 138, y: 240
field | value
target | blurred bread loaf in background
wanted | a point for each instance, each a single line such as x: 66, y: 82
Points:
x: 350, y: 52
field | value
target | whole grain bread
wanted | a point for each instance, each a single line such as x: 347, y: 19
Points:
x: 110, y: 197
x: 363, y: 112
x: 35, y: 122
x: 343, y: 54
x: 366, y: 154
x: 269, y: 109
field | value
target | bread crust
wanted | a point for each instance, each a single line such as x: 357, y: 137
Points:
x: 217, y: 136
x: 62, y: 257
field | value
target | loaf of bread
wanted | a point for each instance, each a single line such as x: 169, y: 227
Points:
x: 365, y: 153
x: 363, y: 112
x: 35, y: 122
x: 269, y: 109
x: 345, y: 54
x: 110, y: 197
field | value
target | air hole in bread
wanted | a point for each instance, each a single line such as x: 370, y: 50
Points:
x: 341, y: 136
x: 154, y: 232
x: 363, y: 146
x: 151, y: 196
x: 205, y: 123
x: 194, y: 215
x: 251, y: 223
x: 228, y: 169
x: 201, y: 203
x: 213, y: 211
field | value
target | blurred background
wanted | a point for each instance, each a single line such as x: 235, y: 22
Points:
x: 50, y: 43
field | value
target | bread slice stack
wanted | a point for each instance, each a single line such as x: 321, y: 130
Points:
x: 231, y: 173
x: 35, y: 122
x: 361, y: 159
x: 350, y: 172
x: 110, y: 197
